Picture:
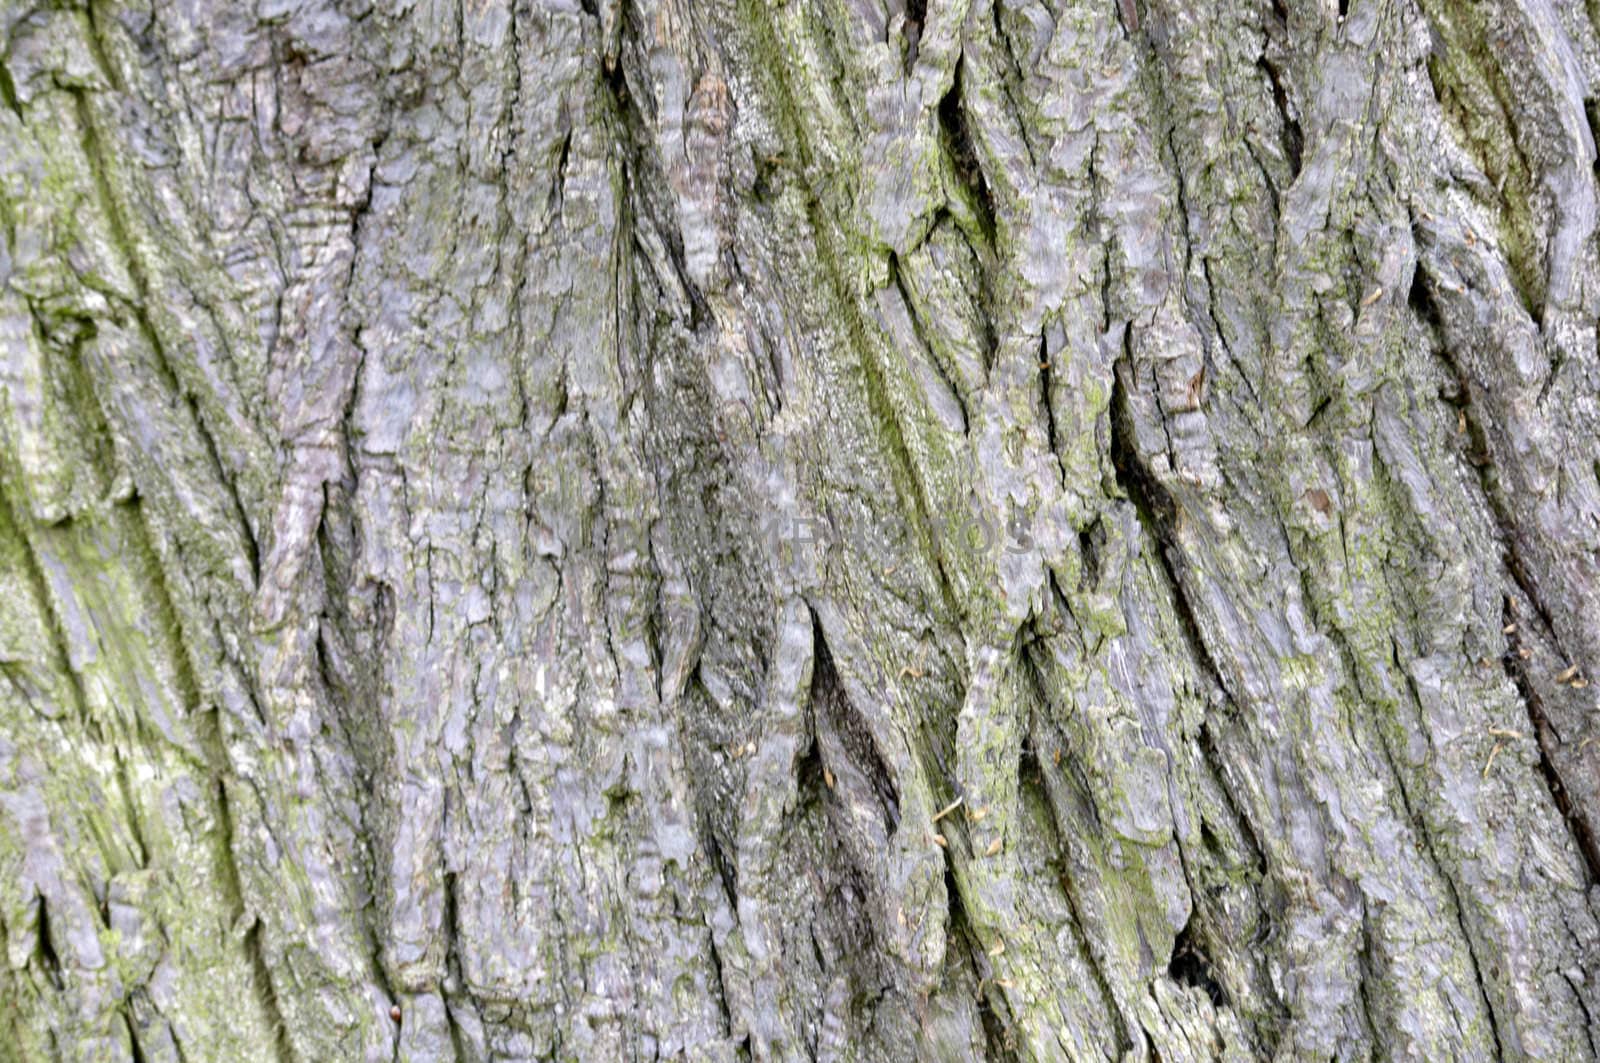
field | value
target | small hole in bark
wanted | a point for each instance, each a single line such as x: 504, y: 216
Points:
x: 1190, y: 967
x: 1421, y: 301
x: 1091, y: 541
x: 815, y: 780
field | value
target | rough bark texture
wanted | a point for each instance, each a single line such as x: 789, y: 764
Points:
x: 518, y: 515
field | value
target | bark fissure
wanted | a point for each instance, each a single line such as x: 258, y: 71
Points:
x: 247, y: 924
x: 1514, y: 663
x: 1583, y: 832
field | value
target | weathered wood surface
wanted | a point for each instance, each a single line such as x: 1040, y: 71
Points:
x: 519, y: 514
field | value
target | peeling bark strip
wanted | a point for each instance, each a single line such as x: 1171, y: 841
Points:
x: 935, y: 530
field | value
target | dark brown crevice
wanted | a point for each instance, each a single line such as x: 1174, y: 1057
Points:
x: 904, y: 474
x: 8, y: 91
x: 958, y: 934
x: 558, y: 182
x: 261, y: 972
x: 1516, y: 668
x: 1030, y: 779
x: 956, y: 136
x: 47, y: 946
x: 1583, y: 832
x: 713, y: 953
x: 135, y: 1049
x: 1128, y: 16
x: 1369, y: 973
x: 1422, y: 303
x: 1201, y: 936
x: 1476, y: 99
x: 1425, y: 839
x: 829, y: 698
x: 916, y: 17
x: 1591, y: 114
x: 727, y: 871
x: 1413, y: 815
x: 44, y: 603
x: 648, y: 190
x: 1044, y: 393
x: 1472, y: 955
x: 111, y: 208
x: 452, y: 961
x: 1583, y: 1006
x: 924, y: 341
x: 1480, y: 456
x: 1158, y: 511
x: 998, y: 1036
x: 917, y: 11
x: 1213, y: 757
x: 1091, y: 543
x: 719, y: 991
x: 1291, y: 136
x: 1012, y: 85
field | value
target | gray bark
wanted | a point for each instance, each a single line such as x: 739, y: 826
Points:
x: 517, y: 516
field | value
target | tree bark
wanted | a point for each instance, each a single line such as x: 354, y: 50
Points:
x: 837, y: 529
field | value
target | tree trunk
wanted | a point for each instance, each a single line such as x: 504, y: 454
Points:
x: 838, y: 529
